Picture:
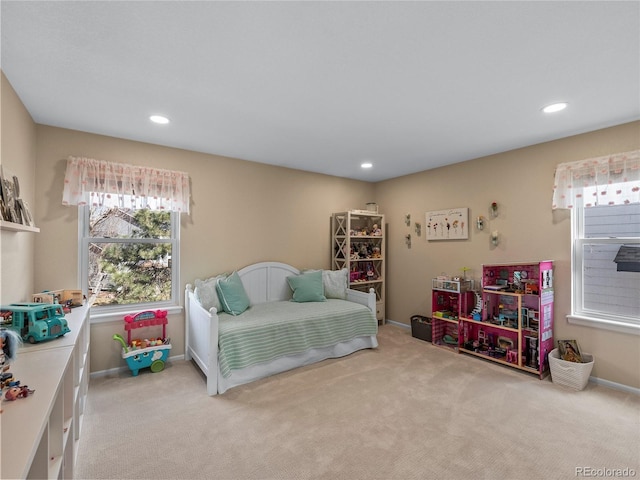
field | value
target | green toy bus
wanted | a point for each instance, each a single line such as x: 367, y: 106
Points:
x: 34, y: 322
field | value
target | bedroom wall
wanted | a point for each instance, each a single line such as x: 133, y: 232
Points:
x: 242, y: 212
x: 267, y: 212
x: 17, y: 157
x: 521, y: 182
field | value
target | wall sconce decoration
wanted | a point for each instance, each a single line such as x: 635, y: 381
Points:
x: 480, y: 222
x: 495, y: 238
x: 407, y: 219
x: 407, y: 239
x: 418, y: 229
x: 494, y: 209
x: 464, y: 272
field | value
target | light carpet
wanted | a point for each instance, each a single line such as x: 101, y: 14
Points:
x: 407, y: 410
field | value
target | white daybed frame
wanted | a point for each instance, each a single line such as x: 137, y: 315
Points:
x: 263, y: 282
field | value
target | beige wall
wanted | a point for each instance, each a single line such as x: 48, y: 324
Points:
x: 242, y: 212
x: 245, y: 212
x: 521, y: 182
x: 17, y: 157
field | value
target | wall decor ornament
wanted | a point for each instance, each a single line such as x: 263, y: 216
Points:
x: 12, y: 208
x: 450, y: 224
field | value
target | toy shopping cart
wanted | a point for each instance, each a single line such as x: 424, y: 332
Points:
x: 142, y: 353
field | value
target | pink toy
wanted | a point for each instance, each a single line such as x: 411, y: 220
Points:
x: 146, y: 319
x: 18, y: 392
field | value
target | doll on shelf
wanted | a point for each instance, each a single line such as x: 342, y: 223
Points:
x: 376, y: 231
x: 9, y: 343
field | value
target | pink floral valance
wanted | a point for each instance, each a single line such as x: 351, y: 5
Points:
x: 97, y: 182
x: 609, y: 180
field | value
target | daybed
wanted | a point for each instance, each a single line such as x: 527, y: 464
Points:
x: 274, y: 334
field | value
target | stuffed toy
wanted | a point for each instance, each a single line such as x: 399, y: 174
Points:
x: 10, y: 341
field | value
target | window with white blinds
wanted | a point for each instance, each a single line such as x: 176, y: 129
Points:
x: 606, y: 276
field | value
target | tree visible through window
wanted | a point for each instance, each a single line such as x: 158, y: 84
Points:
x: 129, y: 255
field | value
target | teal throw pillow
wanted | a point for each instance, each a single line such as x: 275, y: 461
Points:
x: 232, y: 294
x: 307, y: 287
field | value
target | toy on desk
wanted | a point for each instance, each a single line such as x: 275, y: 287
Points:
x: 35, y: 322
x: 144, y: 353
x: 18, y: 392
x: 10, y: 341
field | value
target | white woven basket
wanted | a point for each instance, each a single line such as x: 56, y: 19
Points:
x: 570, y: 374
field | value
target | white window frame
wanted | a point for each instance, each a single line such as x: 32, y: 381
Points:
x: 108, y: 313
x: 579, y: 315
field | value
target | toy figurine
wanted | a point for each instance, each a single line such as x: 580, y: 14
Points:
x: 9, y: 343
x: 370, y: 273
x: 18, y: 392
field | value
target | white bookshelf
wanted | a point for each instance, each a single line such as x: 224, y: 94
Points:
x: 40, y: 433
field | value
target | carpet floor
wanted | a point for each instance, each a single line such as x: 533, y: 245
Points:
x: 407, y: 410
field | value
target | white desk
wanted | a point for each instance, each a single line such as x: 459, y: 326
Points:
x: 40, y: 433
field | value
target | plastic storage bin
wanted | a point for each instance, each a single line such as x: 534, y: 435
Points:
x: 570, y: 374
x: 421, y: 327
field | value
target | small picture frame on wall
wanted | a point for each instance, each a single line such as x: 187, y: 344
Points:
x: 450, y: 224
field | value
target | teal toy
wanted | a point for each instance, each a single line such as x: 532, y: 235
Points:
x: 145, y: 353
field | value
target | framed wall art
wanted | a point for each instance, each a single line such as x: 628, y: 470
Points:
x: 450, y: 224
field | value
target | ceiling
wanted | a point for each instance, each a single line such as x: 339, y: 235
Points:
x: 325, y: 86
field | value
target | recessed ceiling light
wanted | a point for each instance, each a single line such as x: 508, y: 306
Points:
x: 555, y: 107
x: 159, y: 119
x: 366, y: 165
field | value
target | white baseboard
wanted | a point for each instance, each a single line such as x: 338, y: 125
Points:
x: 111, y: 371
x: 398, y: 324
x: 614, y: 385
x: 599, y: 381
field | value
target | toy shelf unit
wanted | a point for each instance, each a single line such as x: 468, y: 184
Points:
x: 450, y: 300
x: 144, y: 353
x: 515, y: 327
x: 358, y: 244
x: 42, y: 432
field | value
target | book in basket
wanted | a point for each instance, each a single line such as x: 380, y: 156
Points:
x: 569, y: 351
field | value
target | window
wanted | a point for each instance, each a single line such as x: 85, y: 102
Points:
x: 129, y: 257
x: 605, y: 290
x: 604, y: 196
x: 129, y: 232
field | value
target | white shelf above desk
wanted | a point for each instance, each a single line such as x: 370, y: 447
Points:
x: 17, y: 227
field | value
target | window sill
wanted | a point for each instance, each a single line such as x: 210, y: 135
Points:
x: 622, y: 327
x: 118, y: 316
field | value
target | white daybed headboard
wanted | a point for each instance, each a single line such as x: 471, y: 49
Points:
x: 267, y: 281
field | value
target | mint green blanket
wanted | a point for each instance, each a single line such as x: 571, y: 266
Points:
x: 271, y: 330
